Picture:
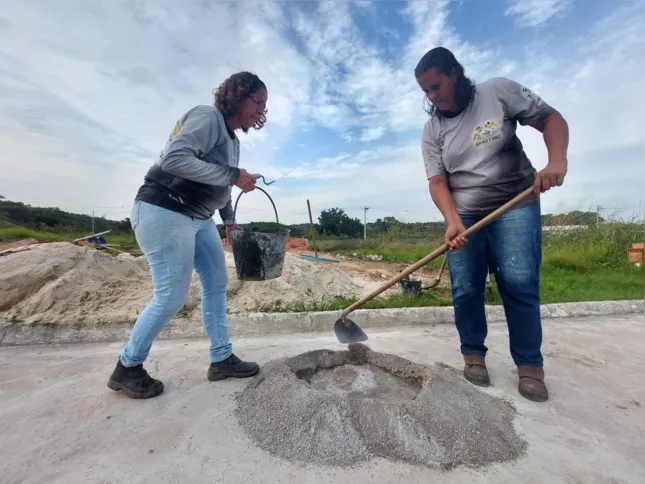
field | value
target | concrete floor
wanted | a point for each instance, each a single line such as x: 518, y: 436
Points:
x: 60, y: 423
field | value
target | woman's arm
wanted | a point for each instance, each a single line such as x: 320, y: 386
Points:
x: 555, y: 131
x: 182, y: 156
x: 193, y: 139
x: 442, y: 198
x: 529, y: 109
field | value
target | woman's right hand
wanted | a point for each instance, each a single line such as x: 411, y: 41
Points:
x: 246, y: 181
x: 451, y: 238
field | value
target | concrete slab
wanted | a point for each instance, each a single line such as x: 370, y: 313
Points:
x: 61, y: 424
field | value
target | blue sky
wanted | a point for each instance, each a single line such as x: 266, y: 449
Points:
x: 90, y: 91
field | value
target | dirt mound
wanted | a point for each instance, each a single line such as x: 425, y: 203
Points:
x: 340, y: 408
x: 62, y: 283
x: 297, y: 245
x: 15, y: 244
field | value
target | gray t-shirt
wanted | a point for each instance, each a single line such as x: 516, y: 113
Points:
x: 479, y: 150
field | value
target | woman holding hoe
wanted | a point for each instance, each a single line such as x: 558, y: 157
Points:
x: 172, y: 221
x: 475, y: 163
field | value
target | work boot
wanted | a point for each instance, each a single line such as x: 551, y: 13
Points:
x: 531, y: 385
x: 475, y: 370
x: 134, y: 382
x: 232, y: 367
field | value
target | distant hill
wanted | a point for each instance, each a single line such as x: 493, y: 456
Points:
x: 55, y: 219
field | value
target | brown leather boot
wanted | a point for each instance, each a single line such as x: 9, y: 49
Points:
x: 532, y: 384
x: 475, y: 370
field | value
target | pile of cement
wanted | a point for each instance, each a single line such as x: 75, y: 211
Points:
x: 62, y: 283
x: 335, y: 408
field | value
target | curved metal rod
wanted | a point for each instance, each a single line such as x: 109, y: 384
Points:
x: 257, y: 175
x: 435, y: 283
x: 270, y: 199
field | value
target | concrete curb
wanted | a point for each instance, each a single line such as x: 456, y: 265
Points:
x: 256, y: 324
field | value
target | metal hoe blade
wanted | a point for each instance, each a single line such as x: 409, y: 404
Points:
x: 347, y: 331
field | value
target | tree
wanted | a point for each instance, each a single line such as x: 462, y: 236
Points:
x: 2, y: 197
x: 335, y: 221
x: 385, y: 223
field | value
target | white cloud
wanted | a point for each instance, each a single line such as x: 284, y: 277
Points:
x: 88, y: 94
x: 534, y: 13
x: 372, y: 134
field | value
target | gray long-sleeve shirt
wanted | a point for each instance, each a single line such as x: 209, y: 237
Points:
x: 197, y: 167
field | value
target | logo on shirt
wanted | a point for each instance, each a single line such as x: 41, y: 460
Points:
x: 176, y: 129
x: 529, y: 94
x: 486, y: 132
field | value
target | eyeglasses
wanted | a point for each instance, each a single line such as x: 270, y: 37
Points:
x: 260, y: 104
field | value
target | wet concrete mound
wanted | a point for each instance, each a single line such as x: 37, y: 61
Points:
x: 343, y: 407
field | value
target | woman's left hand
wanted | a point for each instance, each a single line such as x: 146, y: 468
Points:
x: 229, y: 228
x: 551, y: 176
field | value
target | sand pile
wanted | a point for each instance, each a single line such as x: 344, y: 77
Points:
x: 340, y: 408
x: 62, y: 283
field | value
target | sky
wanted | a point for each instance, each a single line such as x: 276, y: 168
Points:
x: 89, y: 92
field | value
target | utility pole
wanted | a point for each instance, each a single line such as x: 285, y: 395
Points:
x: 365, y: 209
x: 92, y: 221
x: 597, y: 216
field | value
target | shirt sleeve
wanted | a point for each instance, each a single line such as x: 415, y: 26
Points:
x: 432, y: 153
x: 522, y: 104
x: 195, y: 137
x: 226, y: 213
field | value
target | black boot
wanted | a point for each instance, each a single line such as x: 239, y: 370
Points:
x: 134, y: 382
x: 232, y: 367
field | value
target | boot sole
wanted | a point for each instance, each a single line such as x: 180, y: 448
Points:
x: 478, y: 382
x: 533, y: 397
x: 119, y: 387
x: 224, y: 376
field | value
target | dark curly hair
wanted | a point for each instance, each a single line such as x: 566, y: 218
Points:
x: 445, y: 61
x: 230, y: 94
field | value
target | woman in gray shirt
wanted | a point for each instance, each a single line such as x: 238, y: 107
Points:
x: 172, y: 219
x: 475, y: 163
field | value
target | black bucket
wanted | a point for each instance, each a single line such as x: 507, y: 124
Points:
x: 409, y: 288
x: 259, y: 254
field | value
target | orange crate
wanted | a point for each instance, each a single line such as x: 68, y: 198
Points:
x: 636, y: 256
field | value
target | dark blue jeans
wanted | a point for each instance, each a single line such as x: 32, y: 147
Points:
x: 512, y: 247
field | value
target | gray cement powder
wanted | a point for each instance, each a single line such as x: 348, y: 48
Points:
x: 341, y: 408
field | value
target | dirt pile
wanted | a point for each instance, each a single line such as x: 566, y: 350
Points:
x: 61, y: 283
x: 297, y: 245
x: 340, y: 408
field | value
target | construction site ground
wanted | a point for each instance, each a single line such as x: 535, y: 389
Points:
x: 61, y: 424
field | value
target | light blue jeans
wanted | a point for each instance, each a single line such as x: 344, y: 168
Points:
x: 174, y: 244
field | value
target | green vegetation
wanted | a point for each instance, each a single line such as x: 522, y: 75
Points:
x: 436, y: 297
x: 124, y: 241
x: 587, y: 264
x: 580, y: 265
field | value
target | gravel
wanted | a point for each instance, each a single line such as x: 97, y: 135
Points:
x: 449, y: 422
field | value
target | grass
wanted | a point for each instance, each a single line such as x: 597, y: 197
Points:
x: 434, y: 297
x: 124, y: 241
x: 583, y: 265
x: 395, y: 252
